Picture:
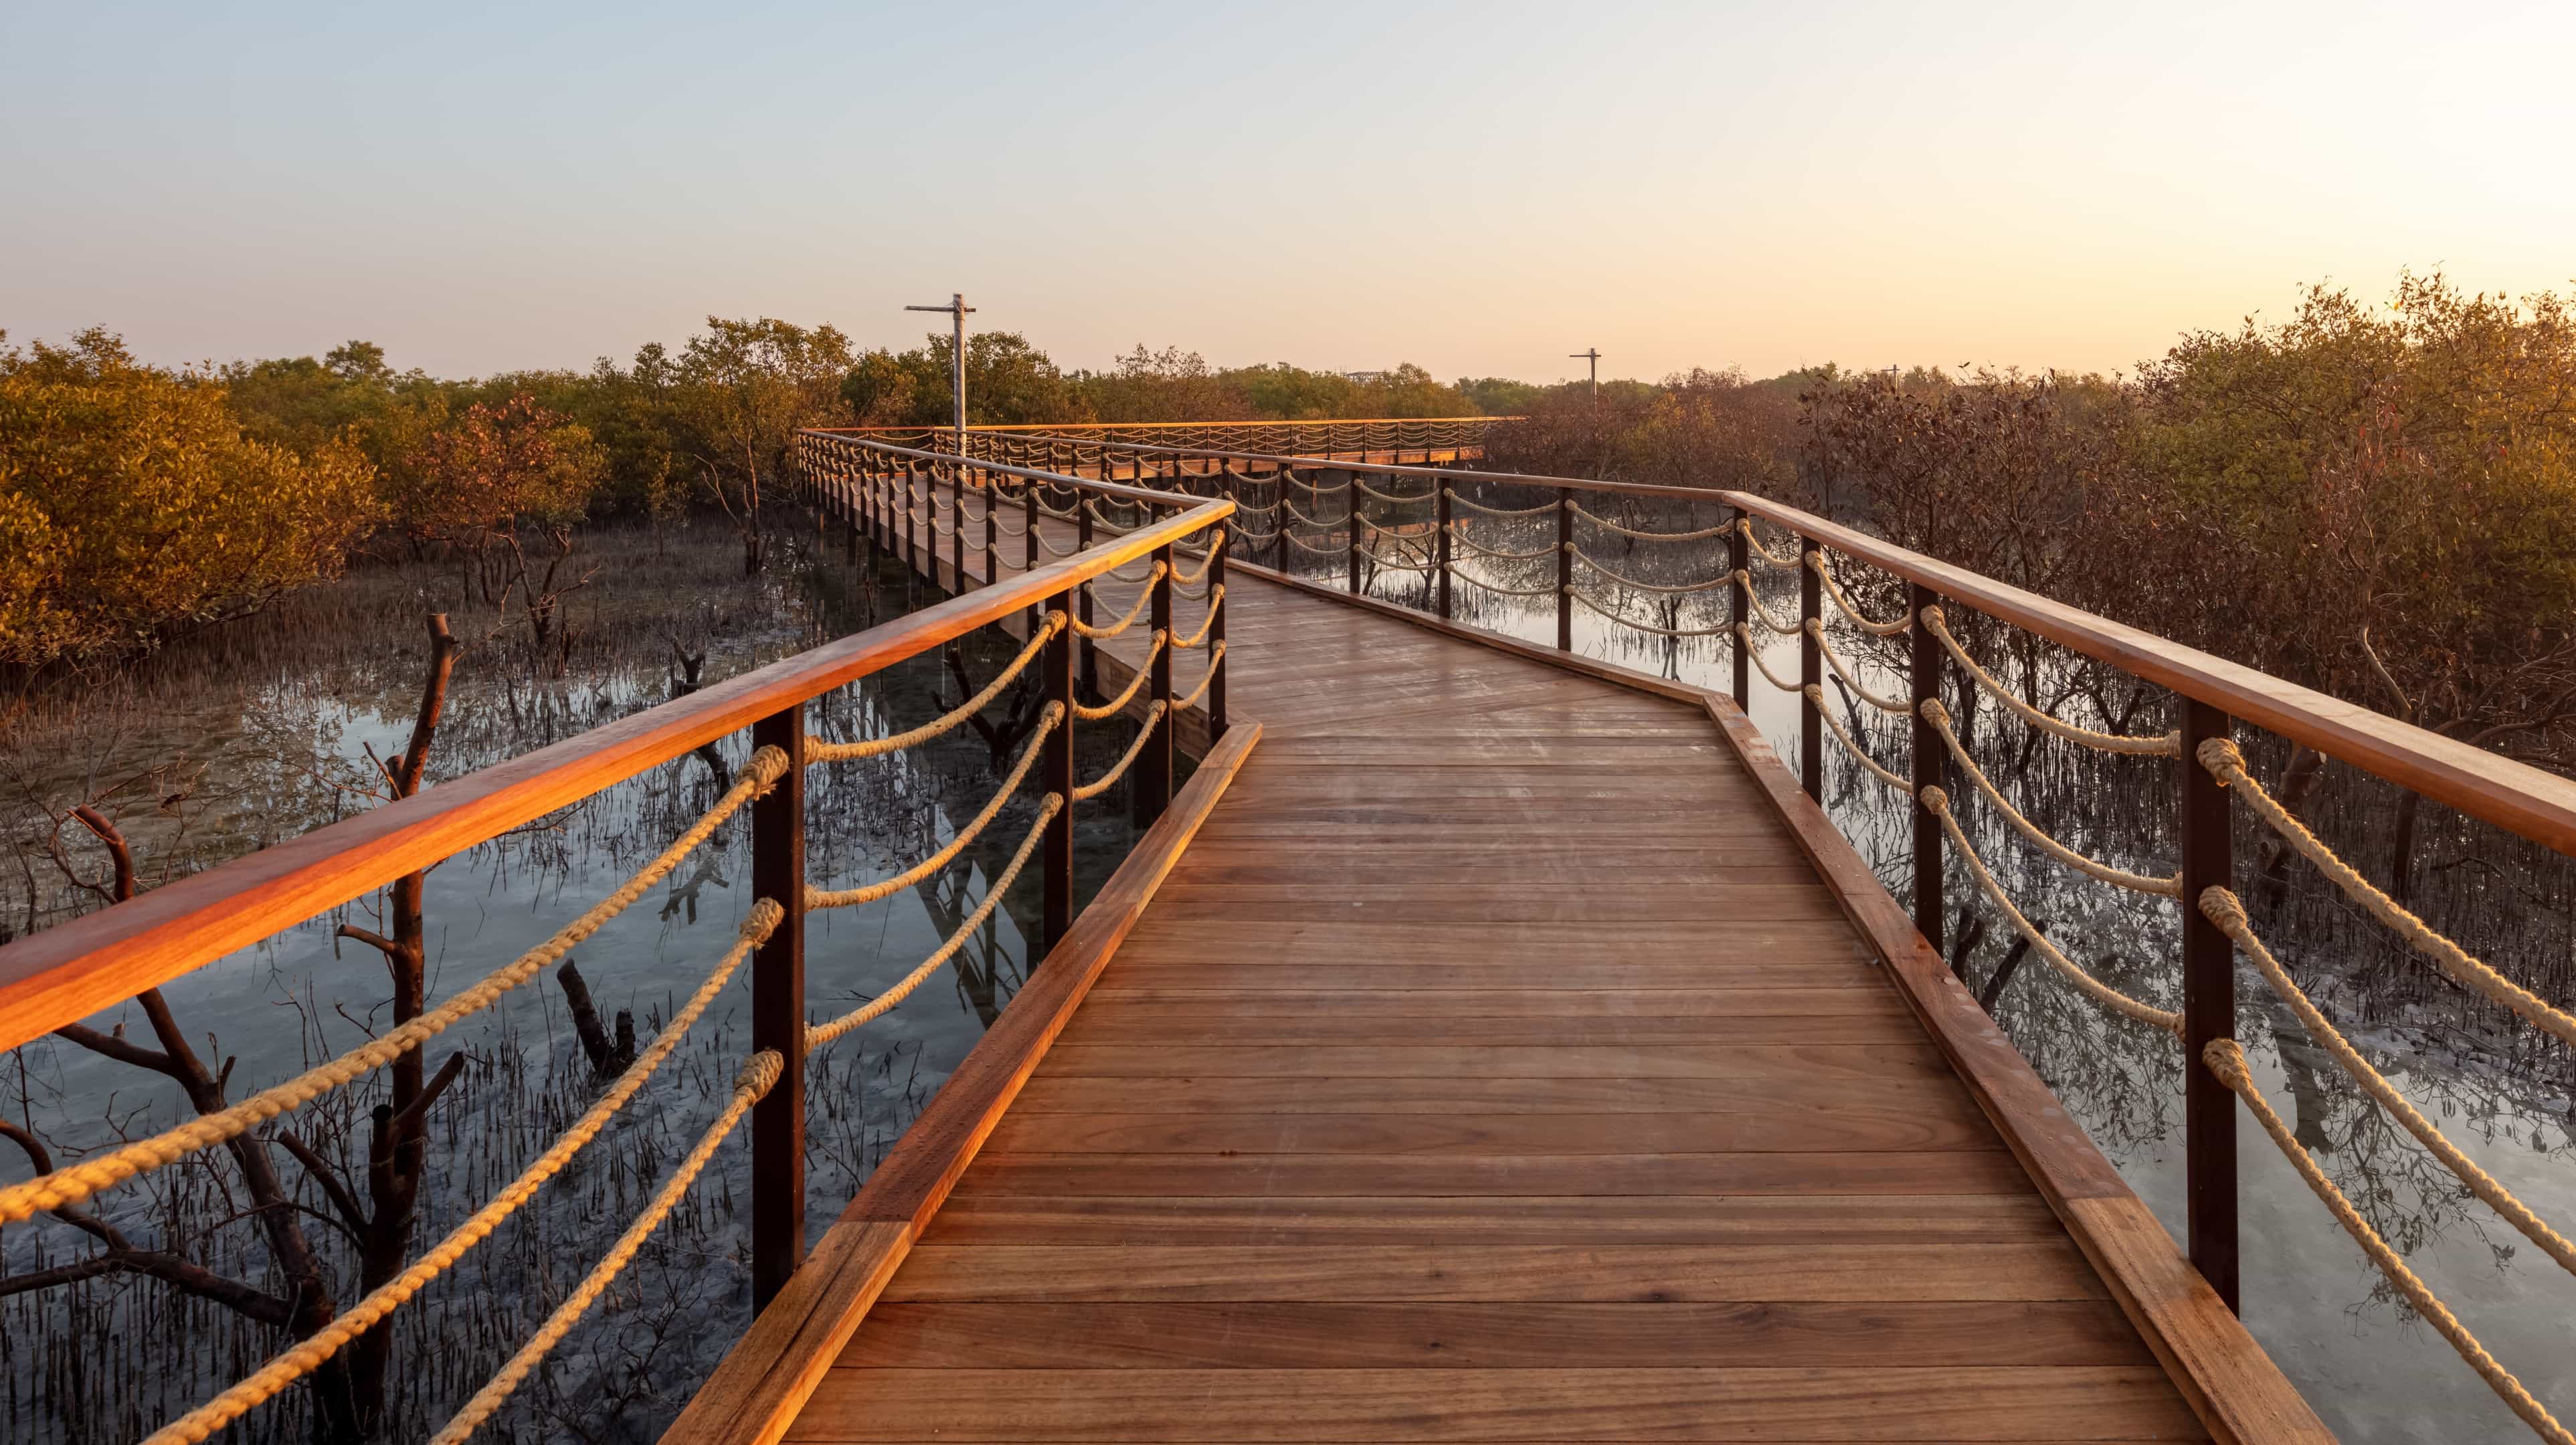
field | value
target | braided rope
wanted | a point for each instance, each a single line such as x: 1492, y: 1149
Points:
x: 1500, y: 511
x: 759, y: 1074
x: 2227, y: 1060
x: 817, y: 752
x: 1834, y: 589
x: 1939, y: 716
x: 1336, y: 548
x: 817, y: 1035
x: 1588, y: 560
x: 1206, y: 561
x: 2221, y: 757
x: 1587, y: 599
x: 1469, y: 577
x: 1815, y: 628
x: 302, y: 1357
x: 1215, y: 656
x: 1458, y: 535
x: 1816, y: 694
x: 1430, y: 496
x: 1744, y: 639
x: 1605, y: 524
x: 1302, y: 517
x: 1101, y: 519
x: 1052, y: 549
x: 1135, y: 684
x: 1120, y: 574
x: 76, y: 1182
x: 1216, y: 598
x: 1138, y: 610
x: 2224, y: 908
x: 1744, y: 580
x: 1765, y: 555
x: 2169, y: 745
x: 1055, y: 511
x: 819, y: 898
x: 1938, y: 802
x: 1100, y: 785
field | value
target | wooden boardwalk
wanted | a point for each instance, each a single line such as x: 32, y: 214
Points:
x: 1493, y: 1065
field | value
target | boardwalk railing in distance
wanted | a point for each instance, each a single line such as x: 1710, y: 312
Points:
x: 52, y: 980
x: 1364, y: 520
x: 1372, y: 439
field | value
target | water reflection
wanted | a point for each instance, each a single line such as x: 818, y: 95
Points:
x: 275, y: 739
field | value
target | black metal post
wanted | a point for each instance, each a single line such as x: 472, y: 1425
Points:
x: 1928, y: 757
x: 2208, y: 1010
x: 1055, y: 860
x: 1443, y: 513
x: 1565, y: 569
x: 1029, y: 514
x: 1351, y: 525
x: 992, y: 529
x: 1151, y: 791
x: 1082, y: 594
x: 1221, y: 538
x: 1811, y: 673
x: 778, y: 1014
x: 1282, y: 478
x: 957, y: 519
x: 1738, y: 559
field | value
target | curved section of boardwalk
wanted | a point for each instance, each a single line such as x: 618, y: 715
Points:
x: 1492, y: 1066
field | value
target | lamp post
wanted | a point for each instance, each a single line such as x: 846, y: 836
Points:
x: 1591, y: 354
x: 957, y: 310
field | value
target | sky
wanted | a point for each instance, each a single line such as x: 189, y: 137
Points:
x: 1481, y: 189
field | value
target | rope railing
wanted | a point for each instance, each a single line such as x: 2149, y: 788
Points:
x: 1777, y: 562
x: 1144, y: 734
x: 2169, y: 745
x: 817, y: 899
x: 1216, y: 655
x: 1216, y: 599
x: 1605, y: 524
x: 1939, y: 716
x: 1815, y: 628
x: 75, y: 1182
x: 1834, y: 590
x: 831, y: 752
x: 2221, y: 757
x: 1744, y: 580
x: 1634, y: 584
x: 1752, y: 652
x: 1476, y: 506
x: 1816, y: 694
x: 2225, y: 1059
x: 307, y: 1354
x: 1136, y: 684
x: 1606, y: 610
x: 1458, y: 537
x: 1099, y: 633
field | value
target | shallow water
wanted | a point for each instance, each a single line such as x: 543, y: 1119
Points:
x: 304, y: 994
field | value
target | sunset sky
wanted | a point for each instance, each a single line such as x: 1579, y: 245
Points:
x: 1478, y: 188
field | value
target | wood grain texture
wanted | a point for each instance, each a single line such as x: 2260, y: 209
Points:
x: 1468, y: 1080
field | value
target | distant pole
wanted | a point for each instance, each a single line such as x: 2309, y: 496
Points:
x: 1591, y: 354
x: 957, y: 310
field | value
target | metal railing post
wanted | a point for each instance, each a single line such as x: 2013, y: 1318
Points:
x: 1351, y: 525
x: 992, y: 529
x: 1811, y: 673
x: 1082, y: 593
x: 957, y: 518
x: 1282, y: 478
x: 1055, y: 762
x: 1442, y: 513
x: 911, y: 519
x: 1151, y: 792
x: 1565, y: 569
x: 1738, y: 559
x: 1221, y: 537
x: 1029, y: 515
x: 2208, y: 1010
x: 778, y: 1014
x: 1925, y: 674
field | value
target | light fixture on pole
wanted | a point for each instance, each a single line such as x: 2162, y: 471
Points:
x: 957, y: 310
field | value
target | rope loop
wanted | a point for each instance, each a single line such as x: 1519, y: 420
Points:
x: 2168, y: 746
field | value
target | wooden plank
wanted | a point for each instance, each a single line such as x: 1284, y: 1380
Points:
x: 1947, y: 1171
x: 2105, y: 1402
x: 977, y: 1215
x: 1899, y: 1063
x: 1171, y: 964
x: 1712, y: 1099
x: 1600, y: 1273
x: 1139, y: 1004
x: 761, y: 1383
x: 1110, y: 1028
x: 1426, y: 1134
x: 1338, y: 1335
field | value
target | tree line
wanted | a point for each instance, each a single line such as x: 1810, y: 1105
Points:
x: 138, y: 502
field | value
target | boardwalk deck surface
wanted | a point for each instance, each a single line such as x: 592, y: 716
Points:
x: 1492, y: 1066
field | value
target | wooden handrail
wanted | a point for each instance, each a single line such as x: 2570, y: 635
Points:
x: 1049, y: 426
x: 74, y: 969
x: 2528, y: 801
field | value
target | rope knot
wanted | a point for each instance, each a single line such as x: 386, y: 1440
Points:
x: 2227, y: 1060
x: 1935, y: 801
x: 2221, y: 906
x: 1743, y: 577
x: 764, y: 767
x: 761, y: 921
x: 2222, y: 757
x: 759, y: 1073
x: 1933, y: 712
x: 1814, y: 694
x: 1932, y: 617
